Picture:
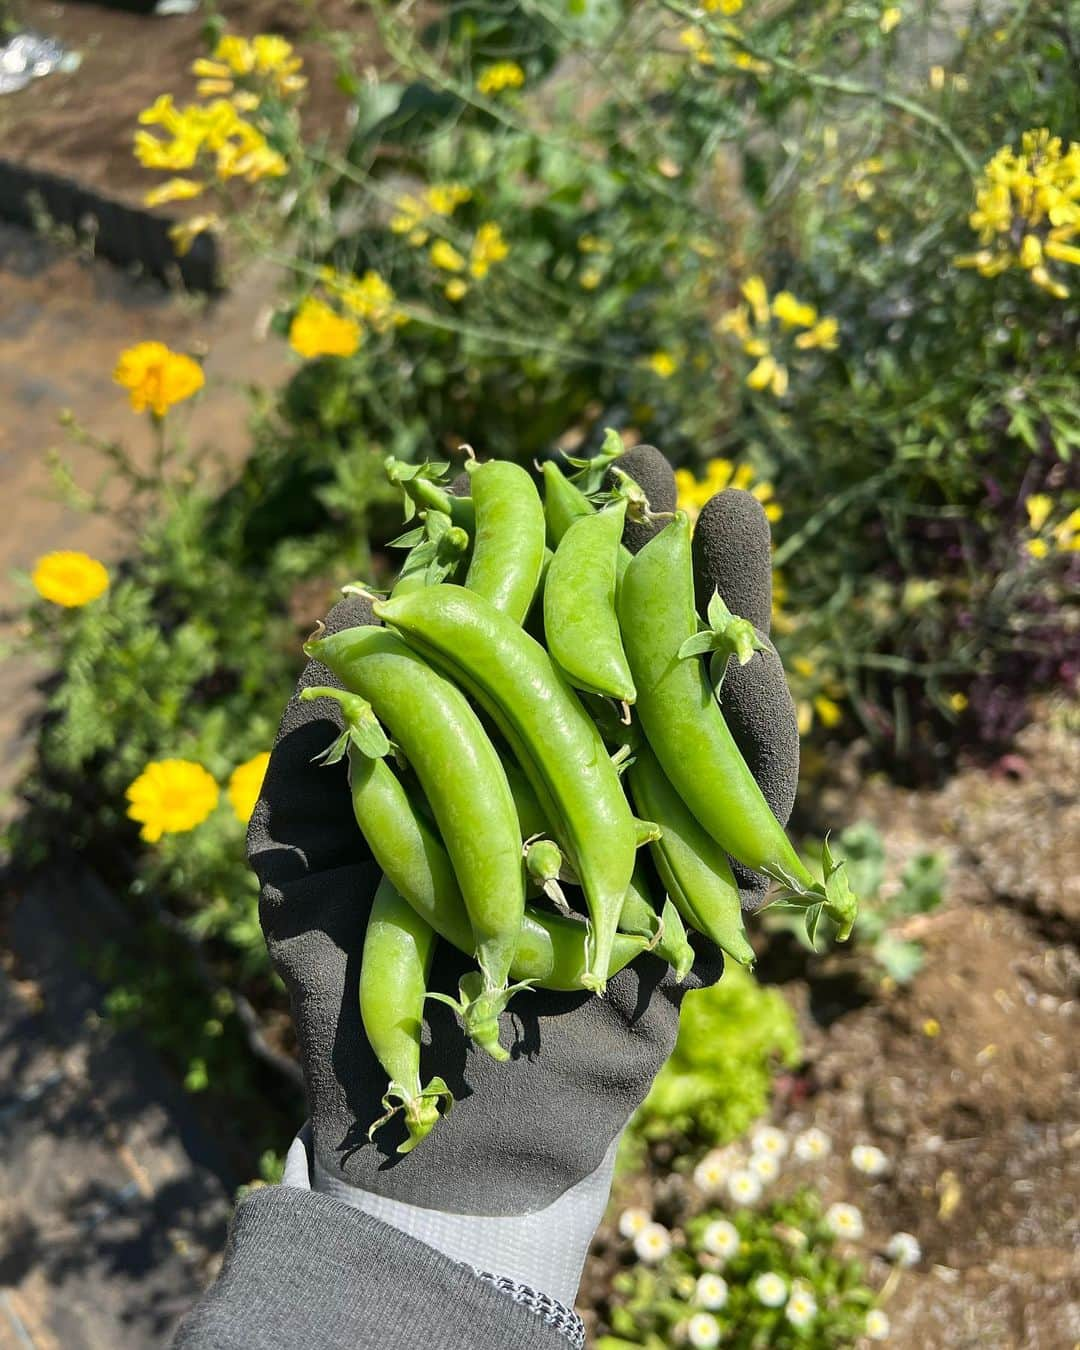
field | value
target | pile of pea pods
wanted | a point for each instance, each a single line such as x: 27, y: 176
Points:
x: 538, y: 759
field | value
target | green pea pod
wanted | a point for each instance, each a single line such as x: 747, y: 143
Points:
x: 580, y: 625
x: 464, y: 783
x: 563, y: 503
x: 531, y: 818
x: 398, y: 947
x: 551, y: 948
x: 686, y: 729
x: 692, y: 866
x: 665, y: 929
x: 508, y: 545
x: 556, y: 744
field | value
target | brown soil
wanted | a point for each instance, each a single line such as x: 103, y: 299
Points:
x: 967, y: 1077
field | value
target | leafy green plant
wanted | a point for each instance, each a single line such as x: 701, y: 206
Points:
x: 732, y: 1038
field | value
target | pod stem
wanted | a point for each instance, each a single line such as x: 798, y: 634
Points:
x: 421, y: 1110
x: 479, y: 1010
x: 362, y: 730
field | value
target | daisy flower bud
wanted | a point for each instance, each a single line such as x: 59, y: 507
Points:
x: 903, y: 1249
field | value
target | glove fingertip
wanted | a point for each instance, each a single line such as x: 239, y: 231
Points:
x: 649, y: 468
x: 733, y: 554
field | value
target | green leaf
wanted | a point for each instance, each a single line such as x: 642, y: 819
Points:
x: 697, y: 645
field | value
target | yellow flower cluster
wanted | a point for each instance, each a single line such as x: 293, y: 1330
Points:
x: 412, y: 215
x: 860, y: 180
x: 719, y: 474
x: 173, y: 796
x: 662, y: 363
x: 156, y: 377
x: 317, y: 329
x: 266, y: 62
x: 1064, y: 537
x: 69, y: 578
x: 488, y: 247
x: 752, y: 323
x: 1027, y: 211
x: 502, y: 75
x: 821, y: 706
x: 698, y: 45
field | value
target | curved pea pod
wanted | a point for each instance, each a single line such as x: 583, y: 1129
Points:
x: 549, y: 732
x: 564, y: 503
x: 423, y: 490
x: 686, y: 730
x: 398, y: 947
x: 463, y: 781
x: 665, y: 929
x: 580, y: 624
x: 693, y: 867
x: 508, y: 544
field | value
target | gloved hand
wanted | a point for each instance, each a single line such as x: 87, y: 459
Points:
x: 515, y: 1179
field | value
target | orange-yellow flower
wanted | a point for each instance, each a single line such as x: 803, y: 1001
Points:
x: 316, y: 330
x: 171, y: 796
x: 157, y: 377
x: 69, y: 578
x: 245, y: 784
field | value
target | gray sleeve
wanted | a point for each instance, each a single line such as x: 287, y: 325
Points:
x: 302, y: 1269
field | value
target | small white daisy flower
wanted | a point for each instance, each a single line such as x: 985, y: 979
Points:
x: 744, y: 1187
x: 632, y: 1221
x: 903, y: 1249
x: 877, y: 1325
x: 812, y: 1145
x: 770, y: 1289
x: 769, y: 1140
x: 844, y: 1221
x: 703, y: 1330
x: 711, y: 1172
x: 869, y: 1160
x: 721, y: 1239
x: 765, y: 1167
x: 711, y: 1292
x: 801, y: 1308
x: 652, y: 1244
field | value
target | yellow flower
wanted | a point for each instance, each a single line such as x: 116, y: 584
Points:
x: 590, y: 279
x: 317, y: 330
x: 829, y: 713
x: 663, y: 364
x: 408, y: 216
x: 445, y: 198
x: 245, y: 784
x: 724, y: 6
x: 890, y: 18
x: 793, y: 313
x: 957, y: 701
x: 804, y: 716
x: 446, y: 256
x: 455, y: 289
x: 736, y: 321
x: 1038, y: 506
x: 695, y: 42
x: 1067, y: 534
x: 157, y: 377
x: 266, y: 55
x: 369, y: 297
x: 175, y: 190
x: 171, y: 796
x: 779, y: 382
x: 488, y: 247
x: 693, y: 493
x: 69, y: 578
x: 502, y: 75
x: 589, y: 243
x: 185, y: 232
x: 761, y: 377
x: 823, y: 335
x: 1030, y: 251
x: 937, y: 77
x: 1038, y: 548
x: 757, y: 297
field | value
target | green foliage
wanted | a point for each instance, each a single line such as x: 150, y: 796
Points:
x: 651, y: 1305
x: 732, y: 1038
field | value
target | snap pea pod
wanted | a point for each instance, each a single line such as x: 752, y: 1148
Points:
x: 687, y: 731
x: 693, y: 867
x: 428, y: 495
x: 551, y: 949
x: 463, y: 781
x: 564, y: 503
x: 665, y: 929
x: 398, y: 947
x: 531, y: 817
x: 556, y: 744
x: 580, y: 624
x: 508, y: 544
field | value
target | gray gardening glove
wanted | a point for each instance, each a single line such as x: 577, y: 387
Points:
x: 515, y: 1179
